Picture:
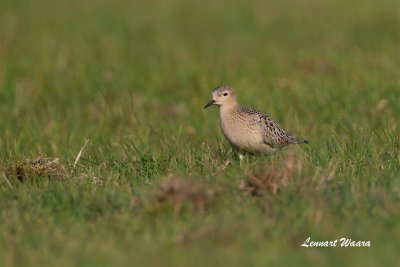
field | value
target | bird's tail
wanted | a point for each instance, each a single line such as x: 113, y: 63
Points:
x: 298, y: 140
x: 304, y: 141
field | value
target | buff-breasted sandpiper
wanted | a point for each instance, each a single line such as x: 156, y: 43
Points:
x: 246, y: 129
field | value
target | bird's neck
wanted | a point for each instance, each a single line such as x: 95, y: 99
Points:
x: 227, y: 108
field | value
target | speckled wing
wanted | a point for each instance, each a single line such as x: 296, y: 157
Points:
x: 273, y: 135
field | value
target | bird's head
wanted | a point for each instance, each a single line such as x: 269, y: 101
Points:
x: 221, y: 96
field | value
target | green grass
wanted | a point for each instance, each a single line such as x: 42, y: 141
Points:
x: 132, y: 79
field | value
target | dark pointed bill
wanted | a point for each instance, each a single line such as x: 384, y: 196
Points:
x: 209, y: 104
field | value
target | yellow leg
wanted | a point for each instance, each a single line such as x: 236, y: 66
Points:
x: 241, y: 157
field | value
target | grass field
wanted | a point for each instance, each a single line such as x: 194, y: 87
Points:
x: 124, y: 84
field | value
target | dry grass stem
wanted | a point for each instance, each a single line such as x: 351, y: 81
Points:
x: 80, y: 154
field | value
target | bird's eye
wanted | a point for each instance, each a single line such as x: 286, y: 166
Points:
x: 225, y: 94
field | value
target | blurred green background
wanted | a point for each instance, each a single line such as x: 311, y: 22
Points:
x: 131, y: 78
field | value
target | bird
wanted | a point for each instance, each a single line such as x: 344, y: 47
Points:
x: 246, y: 129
